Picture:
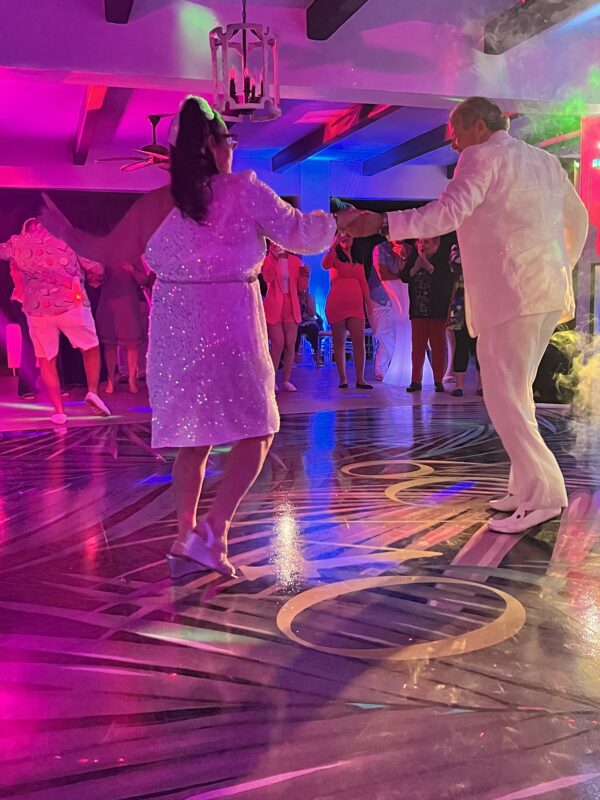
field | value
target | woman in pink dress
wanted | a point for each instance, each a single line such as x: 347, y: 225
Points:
x: 345, y: 307
x: 210, y: 376
x: 285, y: 276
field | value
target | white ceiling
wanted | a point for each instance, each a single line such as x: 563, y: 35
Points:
x: 420, y: 56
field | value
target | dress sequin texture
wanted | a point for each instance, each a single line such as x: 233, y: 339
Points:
x: 210, y: 376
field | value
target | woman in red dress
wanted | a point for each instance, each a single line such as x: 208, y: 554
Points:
x: 345, y: 307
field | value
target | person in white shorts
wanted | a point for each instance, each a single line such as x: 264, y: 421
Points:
x: 55, y: 302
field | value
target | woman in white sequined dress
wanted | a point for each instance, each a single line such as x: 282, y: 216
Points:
x: 210, y: 376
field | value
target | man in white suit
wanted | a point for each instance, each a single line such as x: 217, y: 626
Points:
x: 521, y: 229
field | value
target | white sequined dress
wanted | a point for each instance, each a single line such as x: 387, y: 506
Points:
x: 210, y: 376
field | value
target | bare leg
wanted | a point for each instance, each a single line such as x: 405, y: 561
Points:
x: 188, y: 476
x: 356, y: 327
x: 51, y: 381
x: 110, y: 357
x: 132, y: 366
x: 290, y: 331
x: 277, y: 341
x: 338, y: 331
x: 243, y: 467
x: 91, y: 364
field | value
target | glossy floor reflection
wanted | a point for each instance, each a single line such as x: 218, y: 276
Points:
x: 381, y: 644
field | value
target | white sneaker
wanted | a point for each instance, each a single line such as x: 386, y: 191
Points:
x: 508, y: 503
x: 522, y: 520
x: 288, y: 386
x: 59, y: 419
x: 97, y: 405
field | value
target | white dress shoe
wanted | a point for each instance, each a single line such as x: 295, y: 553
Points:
x: 522, y: 520
x: 58, y: 419
x: 508, y: 503
x: 97, y: 405
x: 288, y: 386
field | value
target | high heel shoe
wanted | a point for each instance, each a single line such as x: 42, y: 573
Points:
x: 198, y: 554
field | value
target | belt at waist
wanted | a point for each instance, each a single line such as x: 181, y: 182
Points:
x: 251, y: 279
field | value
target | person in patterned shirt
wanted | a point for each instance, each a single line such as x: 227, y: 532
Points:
x: 51, y: 280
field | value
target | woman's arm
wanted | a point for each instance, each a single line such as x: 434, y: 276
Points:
x: 127, y: 240
x: 330, y: 260
x: 268, y: 268
x: 284, y: 224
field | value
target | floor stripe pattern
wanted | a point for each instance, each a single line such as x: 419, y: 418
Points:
x: 382, y: 643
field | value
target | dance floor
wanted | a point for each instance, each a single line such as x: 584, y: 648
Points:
x: 381, y: 643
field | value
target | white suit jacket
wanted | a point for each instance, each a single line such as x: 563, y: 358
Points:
x: 521, y: 229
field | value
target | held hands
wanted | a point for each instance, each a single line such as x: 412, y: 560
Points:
x: 304, y: 271
x: 358, y: 223
x: 365, y: 223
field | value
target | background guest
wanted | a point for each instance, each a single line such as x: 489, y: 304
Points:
x: 429, y: 279
x: 119, y: 319
x: 28, y: 371
x: 388, y: 261
x: 465, y: 345
x: 285, y: 276
x: 55, y: 302
x: 345, y: 307
x: 311, y: 325
x: 145, y: 302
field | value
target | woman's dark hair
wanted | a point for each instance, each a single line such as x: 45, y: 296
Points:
x: 192, y: 162
x: 339, y: 251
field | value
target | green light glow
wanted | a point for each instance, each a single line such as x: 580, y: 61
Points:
x: 195, y: 23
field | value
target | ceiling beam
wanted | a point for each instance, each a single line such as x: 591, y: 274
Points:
x: 325, y: 17
x: 526, y: 19
x: 91, y: 110
x: 340, y: 126
x: 427, y: 142
x: 118, y: 11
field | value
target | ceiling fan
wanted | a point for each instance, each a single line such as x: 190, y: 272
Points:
x: 152, y: 154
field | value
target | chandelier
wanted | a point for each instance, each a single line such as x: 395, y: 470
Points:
x: 244, y: 60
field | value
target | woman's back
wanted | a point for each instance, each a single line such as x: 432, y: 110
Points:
x: 226, y: 246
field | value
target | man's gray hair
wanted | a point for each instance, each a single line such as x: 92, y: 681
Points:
x: 475, y: 108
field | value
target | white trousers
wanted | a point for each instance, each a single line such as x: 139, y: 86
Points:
x: 382, y: 324
x: 509, y: 355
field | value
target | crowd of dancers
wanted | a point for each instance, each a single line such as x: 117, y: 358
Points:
x: 211, y: 376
